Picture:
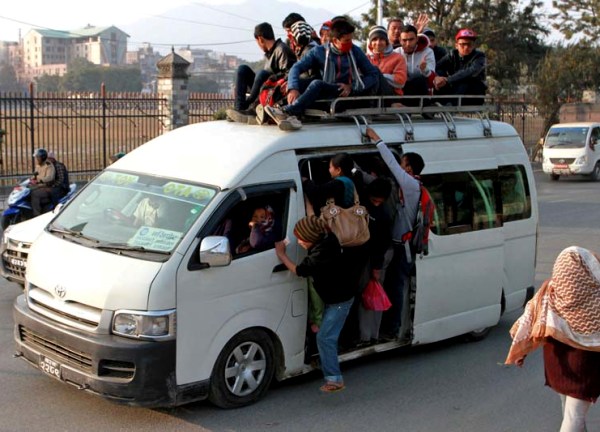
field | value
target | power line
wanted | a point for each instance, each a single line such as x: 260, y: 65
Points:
x: 223, y: 12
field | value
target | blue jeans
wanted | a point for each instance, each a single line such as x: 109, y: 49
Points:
x: 396, y: 281
x: 334, y: 317
x: 310, y: 92
x: 246, y: 78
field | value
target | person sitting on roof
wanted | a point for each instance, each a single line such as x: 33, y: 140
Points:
x: 420, y: 62
x: 462, y: 70
x: 391, y: 64
x: 438, y: 51
x: 279, y: 60
x: 346, y: 71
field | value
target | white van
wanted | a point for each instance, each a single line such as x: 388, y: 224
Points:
x: 570, y: 148
x: 135, y: 291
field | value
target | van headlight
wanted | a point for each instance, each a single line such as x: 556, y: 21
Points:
x: 582, y: 160
x: 5, y: 235
x: 152, y: 325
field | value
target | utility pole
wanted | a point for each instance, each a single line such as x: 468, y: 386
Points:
x: 380, y: 12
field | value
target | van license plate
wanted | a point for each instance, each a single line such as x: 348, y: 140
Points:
x: 561, y: 166
x: 50, y: 367
x: 17, y: 262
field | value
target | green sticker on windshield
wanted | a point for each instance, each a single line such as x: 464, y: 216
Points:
x: 187, y: 191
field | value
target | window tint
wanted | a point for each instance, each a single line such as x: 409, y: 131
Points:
x: 516, y: 200
x: 465, y: 201
x: 254, y: 224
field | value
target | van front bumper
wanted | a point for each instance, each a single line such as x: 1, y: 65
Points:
x: 129, y: 371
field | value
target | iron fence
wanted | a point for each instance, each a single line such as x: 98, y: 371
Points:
x: 206, y: 106
x: 83, y: 129
x: 524, y: 117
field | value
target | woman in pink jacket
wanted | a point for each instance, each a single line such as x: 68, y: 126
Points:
x: 391, y: 64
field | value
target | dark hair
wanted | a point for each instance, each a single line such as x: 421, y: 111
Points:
x: 264, y: 30
x: 340, y: 28
x: 415, y: 161
x: 409, y: 29
x: 344, y: 162
x: 393, y: 20
x: 339, y: 18
x: 291, y: 19
x: 379, y: 188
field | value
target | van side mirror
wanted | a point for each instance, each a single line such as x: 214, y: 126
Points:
x: 214, y: 251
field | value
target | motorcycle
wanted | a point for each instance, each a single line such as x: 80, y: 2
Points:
x: 19, y: 204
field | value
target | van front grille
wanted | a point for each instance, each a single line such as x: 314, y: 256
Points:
x: 562, y: 161
x: 56, y: 350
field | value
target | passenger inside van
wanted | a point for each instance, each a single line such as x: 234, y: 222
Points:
x: 262, y: 231
x: 147, y: 211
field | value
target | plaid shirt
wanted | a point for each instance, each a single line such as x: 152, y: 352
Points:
x: 61, y: 178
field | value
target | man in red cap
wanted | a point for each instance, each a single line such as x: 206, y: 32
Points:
x: 462, y: 70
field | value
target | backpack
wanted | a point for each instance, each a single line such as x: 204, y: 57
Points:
x: 271, y: 92
x: 418, y: 236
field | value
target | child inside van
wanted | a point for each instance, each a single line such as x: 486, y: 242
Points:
x: 340, y: 188
x: 262, y: 232
x: 328, y: 267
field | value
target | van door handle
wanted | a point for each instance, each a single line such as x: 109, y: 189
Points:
x: 279, y: 268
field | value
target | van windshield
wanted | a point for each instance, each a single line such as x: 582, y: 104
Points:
x: 132, y: 214
x: 566, y: 137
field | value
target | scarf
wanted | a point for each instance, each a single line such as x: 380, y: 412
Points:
x: 566, y: 308
x: 330, y: 72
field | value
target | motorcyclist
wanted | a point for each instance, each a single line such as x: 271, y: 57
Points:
x: 60, y: 186
x: 41, y: 182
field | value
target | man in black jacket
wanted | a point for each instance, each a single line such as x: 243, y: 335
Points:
x: 462, y: 71
x: 279, y: 61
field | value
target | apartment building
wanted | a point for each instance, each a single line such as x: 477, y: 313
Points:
x: 49, y: 51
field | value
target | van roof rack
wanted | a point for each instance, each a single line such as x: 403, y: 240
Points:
x: 403, y: 107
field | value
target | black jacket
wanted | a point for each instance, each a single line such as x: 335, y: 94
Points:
x: 280, y: 59
x: 336, y: 271
x: 458, y: 68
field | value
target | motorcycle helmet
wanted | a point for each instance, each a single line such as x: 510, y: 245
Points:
x: 41, y: 153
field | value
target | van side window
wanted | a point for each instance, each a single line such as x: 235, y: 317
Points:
x: 516, y: 200
x: 464, y: 201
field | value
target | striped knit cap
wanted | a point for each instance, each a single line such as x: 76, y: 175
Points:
x: 302, y: 32
x: 310, y: 229
x: 378, y: 31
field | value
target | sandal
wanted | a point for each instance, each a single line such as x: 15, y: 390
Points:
x: 332, y: 387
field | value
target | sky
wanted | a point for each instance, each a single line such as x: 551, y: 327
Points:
x: 69, y: 14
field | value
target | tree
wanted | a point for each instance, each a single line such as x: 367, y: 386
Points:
x: 202, y: 84
x: 577, y: 16
x: 85, y: 76
x: 8, y: 79
x: 48, y: 83
x: 563, y: 74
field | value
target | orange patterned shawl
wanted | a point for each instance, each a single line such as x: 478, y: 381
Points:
x: 566, y: 308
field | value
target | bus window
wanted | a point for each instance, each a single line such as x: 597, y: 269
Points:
x: 464, y: 201
x: 516, y: 200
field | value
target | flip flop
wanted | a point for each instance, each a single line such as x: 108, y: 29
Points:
x: 332, y: 387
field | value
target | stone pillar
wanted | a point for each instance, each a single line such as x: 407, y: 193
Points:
x: 173, y: 85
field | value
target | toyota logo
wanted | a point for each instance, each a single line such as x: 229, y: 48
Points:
x: 562, y: 161
x: 60, y: 291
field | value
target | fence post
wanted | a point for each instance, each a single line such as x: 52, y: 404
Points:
x: 103, y: 96
x: 32, y: 125
x: 173, y: 85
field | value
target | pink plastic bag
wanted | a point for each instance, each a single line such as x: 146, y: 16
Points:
x: 375, y: 298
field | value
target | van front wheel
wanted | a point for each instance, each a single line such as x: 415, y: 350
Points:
x: 595, y: 175
x: 243, y: 371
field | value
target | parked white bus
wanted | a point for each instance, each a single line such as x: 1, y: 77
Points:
x: 135, y: 291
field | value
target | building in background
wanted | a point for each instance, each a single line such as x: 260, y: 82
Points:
x: 50, y: 51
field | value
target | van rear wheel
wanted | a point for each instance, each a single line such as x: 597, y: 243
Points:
x: 243, y: 371
x: 478, y: 335
x: 554, y: 177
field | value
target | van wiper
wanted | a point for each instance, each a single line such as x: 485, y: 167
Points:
x: 117, y: 247
x: 66, y: 231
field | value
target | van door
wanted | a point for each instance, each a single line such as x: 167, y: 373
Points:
x: 519, y: 226
x: 255, y: 291
x: 459, y: 284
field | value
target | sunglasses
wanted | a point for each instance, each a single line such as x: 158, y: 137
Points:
x: 465, y: 44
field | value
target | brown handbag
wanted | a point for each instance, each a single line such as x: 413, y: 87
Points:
x: 351, y: 225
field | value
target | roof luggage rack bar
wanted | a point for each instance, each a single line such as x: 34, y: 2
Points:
x: 409, y: 132
x: 363, y: 135
x: 382, y: 105
x: 449, y: 120
x: 486, y: 123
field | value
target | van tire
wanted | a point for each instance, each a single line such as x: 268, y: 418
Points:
x: 243, y: 371
x: 554, y: 177
x: 595, y: 175
x: 478, y: 335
